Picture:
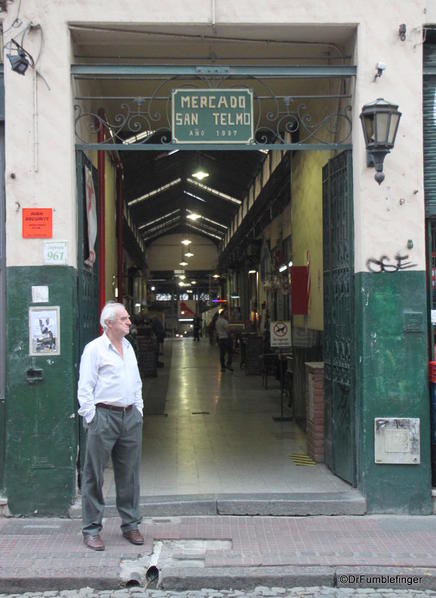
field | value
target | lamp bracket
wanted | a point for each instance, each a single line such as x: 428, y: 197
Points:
x: 375, y: 159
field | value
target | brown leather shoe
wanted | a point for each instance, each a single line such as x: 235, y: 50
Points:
x: 134, y: 536
x: 93, y: 542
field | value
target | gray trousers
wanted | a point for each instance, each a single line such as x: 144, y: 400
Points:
x: 117, y: 434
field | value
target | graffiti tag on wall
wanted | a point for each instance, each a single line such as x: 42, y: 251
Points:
x: 385, y: 264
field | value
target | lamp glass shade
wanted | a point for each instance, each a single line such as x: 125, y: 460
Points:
x: 19, y: 63
x: 380, y: 121
x: 395, y: 121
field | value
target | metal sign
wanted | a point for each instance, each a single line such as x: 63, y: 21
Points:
x: 280, y: 333
x: 212, y: 116
x: 37, y: 223
x: 55, y: 252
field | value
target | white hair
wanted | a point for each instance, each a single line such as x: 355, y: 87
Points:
x: 108, y: 313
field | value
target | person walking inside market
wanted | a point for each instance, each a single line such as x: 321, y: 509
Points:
x: 197, y: 328
x: 110, y: 399
x: 225, y: 342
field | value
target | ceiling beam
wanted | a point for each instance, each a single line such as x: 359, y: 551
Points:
x: 162, y: 226
x: 160, y: 233
x: 137, y: 71
x: 167, y: 215
x: 205, y: 232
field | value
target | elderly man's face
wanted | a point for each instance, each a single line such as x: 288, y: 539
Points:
x: 120, y: 326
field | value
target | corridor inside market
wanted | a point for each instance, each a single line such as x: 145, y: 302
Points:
x: 212, y: 432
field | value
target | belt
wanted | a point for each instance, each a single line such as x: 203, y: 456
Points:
x: 114, y: 407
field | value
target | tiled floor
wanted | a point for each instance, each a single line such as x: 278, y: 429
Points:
x: 217, y: 434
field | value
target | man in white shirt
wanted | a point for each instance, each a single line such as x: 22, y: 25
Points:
x: 225, y: 342
x: 110, y: 399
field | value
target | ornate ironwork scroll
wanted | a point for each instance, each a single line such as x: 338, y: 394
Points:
x: 281, y: 119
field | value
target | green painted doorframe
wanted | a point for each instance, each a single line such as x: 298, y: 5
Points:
x: 95, y: 72
x: 2, y: 288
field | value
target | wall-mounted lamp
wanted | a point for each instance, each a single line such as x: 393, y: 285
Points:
x: 380, y: 121
x: 21, y: 59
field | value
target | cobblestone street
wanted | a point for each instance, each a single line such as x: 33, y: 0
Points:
x: 260, y: 591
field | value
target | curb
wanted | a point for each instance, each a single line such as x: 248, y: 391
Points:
x: 244, y: 578
x: 241, y: 578
x: 281, y: 504
x: 18, y: 585
x: 247, y: 578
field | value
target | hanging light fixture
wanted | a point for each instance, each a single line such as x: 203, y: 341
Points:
x: 199, y: 173
x: 380, y: 120
x: 193, y: 216
x: 20, y: 59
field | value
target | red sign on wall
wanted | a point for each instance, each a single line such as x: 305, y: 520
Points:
x: 300, y: 290
x: 37, y: 223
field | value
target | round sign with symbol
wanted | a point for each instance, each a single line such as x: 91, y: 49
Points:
x: 280, y: 329
x: 280, y: 334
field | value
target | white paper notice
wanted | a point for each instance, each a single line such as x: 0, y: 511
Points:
x: 39, y: 294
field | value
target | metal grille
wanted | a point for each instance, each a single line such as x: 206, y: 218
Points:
x: 87, y: 279
x: 430, y: 145
x: 339, y: 315
x: 287, y: 119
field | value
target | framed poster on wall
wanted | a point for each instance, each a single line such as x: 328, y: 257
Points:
x: 44, y: 331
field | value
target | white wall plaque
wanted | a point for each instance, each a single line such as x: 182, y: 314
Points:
x: 397, y: 440
x: 55, y: 252
x: 39, y: 294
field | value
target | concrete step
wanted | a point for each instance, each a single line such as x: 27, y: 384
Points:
x: 350, y: 502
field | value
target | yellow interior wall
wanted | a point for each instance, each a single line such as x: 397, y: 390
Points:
x: 306, y: 223
x: 110, y: 224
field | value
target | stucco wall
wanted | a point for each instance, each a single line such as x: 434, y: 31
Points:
x: 386, y: 216
x: 430, y: 12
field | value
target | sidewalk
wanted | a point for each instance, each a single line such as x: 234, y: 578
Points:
x: 223, y: 552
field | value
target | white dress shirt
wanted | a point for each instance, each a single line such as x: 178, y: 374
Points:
x: 106, y: 377
x: 222, y: 328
